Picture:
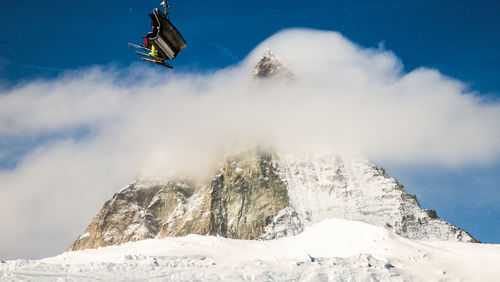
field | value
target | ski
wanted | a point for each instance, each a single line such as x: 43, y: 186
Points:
x: 135, y: 46
x: 145, y: 54
x: 158, y: 62
x: 153, y: 57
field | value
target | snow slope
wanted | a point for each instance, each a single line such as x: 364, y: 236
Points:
x: 333, y: 249
x: 350, y: 187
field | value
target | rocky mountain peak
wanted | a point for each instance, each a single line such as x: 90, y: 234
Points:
x: 270, y: 67
x: 265, y: 195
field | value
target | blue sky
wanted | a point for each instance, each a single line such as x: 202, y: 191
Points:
x: 461, y: 39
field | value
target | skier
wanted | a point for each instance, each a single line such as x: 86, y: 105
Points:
x: 149, y: 36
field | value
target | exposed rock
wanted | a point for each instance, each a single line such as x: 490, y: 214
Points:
x: 270, y: 68
x: 123, y: 219
x: 245, y: 196
x: 285, y: 223
x: 239, y: 202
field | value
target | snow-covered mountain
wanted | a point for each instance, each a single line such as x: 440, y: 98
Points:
x: 257, y: 194
x: 267, y: 214
x: 265, y: 194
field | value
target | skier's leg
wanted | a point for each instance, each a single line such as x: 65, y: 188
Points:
x: 153, y: 52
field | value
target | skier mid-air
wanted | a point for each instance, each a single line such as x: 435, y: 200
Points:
x: 163, y: 43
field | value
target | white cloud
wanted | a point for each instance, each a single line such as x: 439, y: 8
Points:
x: 346, y: 98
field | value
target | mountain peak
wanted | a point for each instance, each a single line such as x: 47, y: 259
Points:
x: 270, y: 66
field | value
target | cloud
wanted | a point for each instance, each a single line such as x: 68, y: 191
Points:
x: 96, y: 130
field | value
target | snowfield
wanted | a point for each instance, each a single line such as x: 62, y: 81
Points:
x: 331, y: 250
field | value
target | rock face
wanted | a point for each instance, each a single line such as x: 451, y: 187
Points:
x: 239, y: 202
x: 245, y: 196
